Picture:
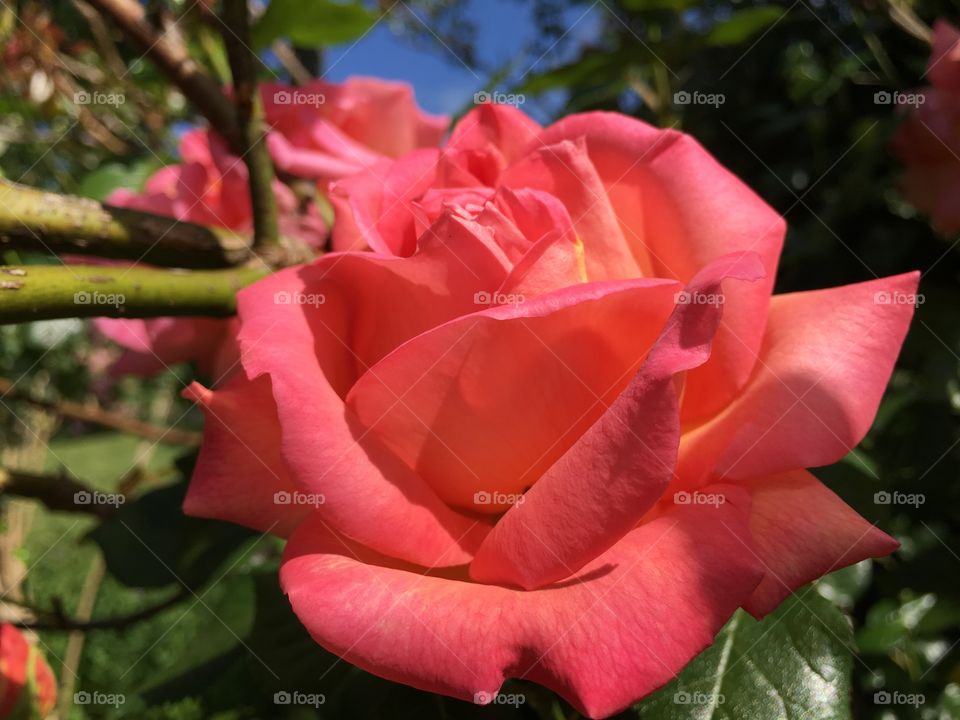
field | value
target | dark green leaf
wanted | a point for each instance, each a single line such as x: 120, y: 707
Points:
x: 795, y: 663
x: 743, y: 25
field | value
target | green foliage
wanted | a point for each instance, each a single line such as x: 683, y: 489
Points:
x: 796, y: 662
x: 312, y: 23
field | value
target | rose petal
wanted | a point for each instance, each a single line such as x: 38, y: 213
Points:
x: 673, y: 202
x: 489, y: 401
x: 604, y: 484
x: 802, y: 531
x: 630, y: 621
x: 825, y: 362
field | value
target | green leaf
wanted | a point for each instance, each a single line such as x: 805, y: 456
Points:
x: 311, y: 23
x: 107, y: 178
x: 150, y: 543
x: 743, y: 25
x: 844, y: 587
x: 794, y: 663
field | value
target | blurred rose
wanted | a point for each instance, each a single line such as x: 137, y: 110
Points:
x: 325, y: 131
x: 322, y: 131
x: 562, y: 433
x: 28, y: 690
x: 928, y: 142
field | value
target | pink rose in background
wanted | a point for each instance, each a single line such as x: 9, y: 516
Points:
x: 928, y: 142
x: 28, y: 690
x: 561, y: 432
x: 344, y: 127
x: 326, y: 131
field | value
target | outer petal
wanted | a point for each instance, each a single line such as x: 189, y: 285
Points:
x: 489, y: 401
x: 240, y: 475
x: 630, y: 621
x: 802, y: 531
x: 825, y: 362
x: 604, y: 484
x: 369, y: 495
x: 679, y: 209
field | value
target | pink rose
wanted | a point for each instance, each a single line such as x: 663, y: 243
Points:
x: 563, y: 434
x: 28, y: 690
x: 928, y: 142
x: 325, y: 131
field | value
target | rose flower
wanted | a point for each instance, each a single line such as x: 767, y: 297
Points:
x: 558, y: 428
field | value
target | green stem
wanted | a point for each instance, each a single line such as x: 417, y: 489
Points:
x: 243, y: 67
x: 40, y: 292
x: 36, y: 220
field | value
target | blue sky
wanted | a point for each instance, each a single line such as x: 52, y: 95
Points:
x: 443, y: 84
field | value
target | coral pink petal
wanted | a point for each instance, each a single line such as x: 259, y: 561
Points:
x: 239, y: 471
x: 673, y: 202
x: 944, y: 67
x: 374, y: 208
x: 632, y: 619
x: 370, y: 496
x: 487, y: 402
x: 602, y: 486
x: 825, y: 362
x: 802, y: 531
x: 504, y: 127
x: 565, y: 171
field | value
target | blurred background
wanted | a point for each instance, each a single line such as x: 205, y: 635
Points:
x: 795, y: 112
